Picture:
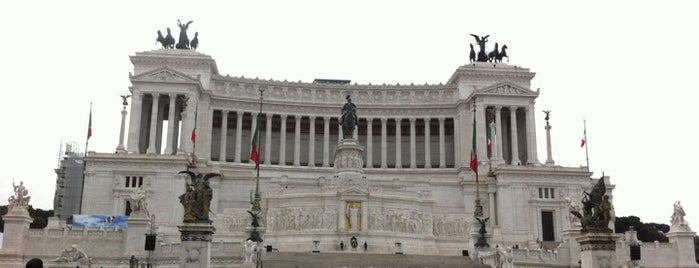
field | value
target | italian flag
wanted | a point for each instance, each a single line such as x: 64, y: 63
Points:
x: 254, y: 154
x: 490, y: 140
x: 474, y: 156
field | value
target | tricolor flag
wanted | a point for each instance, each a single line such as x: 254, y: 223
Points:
x: 490, y: 140
x: 474, y: 156
x: 89, y: 124
x: 254, y: 154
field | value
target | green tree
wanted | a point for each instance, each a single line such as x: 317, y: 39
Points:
x: 647, y: 232
x: 40, y: 216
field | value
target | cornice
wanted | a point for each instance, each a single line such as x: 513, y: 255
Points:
x: 175, y: 57
x: 488, y: 71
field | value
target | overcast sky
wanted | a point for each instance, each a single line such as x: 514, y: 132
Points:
x: 626, y: 67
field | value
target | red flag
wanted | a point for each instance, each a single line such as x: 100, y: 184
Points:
x: 474, y: 155
x: 582, y: 142
x: 89, y: 124
x: 194, y: 129
x: 254, y: 154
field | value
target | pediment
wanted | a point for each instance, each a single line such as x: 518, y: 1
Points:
x: 164, y: 75
x: 507, y: 89
x: 355, y: 191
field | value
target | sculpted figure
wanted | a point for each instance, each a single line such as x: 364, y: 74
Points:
x: 183, y: 42
x: 138, y: 202
x: 197, y: 197
x: 161, y: 39
x: 482, y: 57
x: 21, y: 197
x: 597, y: 209
x: 74, y: 254
x: 250, y: 248
x: 348, y: 120
x: 677, y: 220
x: 169, y: 40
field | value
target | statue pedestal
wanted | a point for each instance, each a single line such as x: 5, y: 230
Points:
x: 17, y: 222
x: 349, y: 164
x: 597, y: 250
x: 138, y: 227
x: 684, y: 239
x: 570, y: 248
x: 196, y: 244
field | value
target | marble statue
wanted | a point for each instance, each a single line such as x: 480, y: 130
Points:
x: 353, y: 215
x: 573, y: 207
x: 197, y: 197
x: 250, y: 248
x: 74, y: 254
x: 139, y: 206
x: 677, y: 221
x: 21, y: 197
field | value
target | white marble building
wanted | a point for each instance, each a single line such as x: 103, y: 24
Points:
x: 417, y: 143
x: 415, y: 193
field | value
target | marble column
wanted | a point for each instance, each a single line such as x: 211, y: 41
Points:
x: 442, y: 149
x: 312, y: 142
x: 428, y: 157
x: 513, y: 136
x: 238, y: 135
x: 399, y: 155
x: 384, y: 145
x: 491, y: 208
x: 369, y: 145
x: 268, y: 139
x: 297, y: 140
x: 498, y: 133
x: 169, y: 147
x: 153, y: 124
x: 413, y: 151
x: 120, y: 147
x: 326, y: 141
x: 282, y: 142
x: 531, y: 136
x: 224, y: 136
x: 135, y: 123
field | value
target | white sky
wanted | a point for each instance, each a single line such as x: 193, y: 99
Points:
x: 627, y: 67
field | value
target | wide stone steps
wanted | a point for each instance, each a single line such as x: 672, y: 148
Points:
x: 363, y: 260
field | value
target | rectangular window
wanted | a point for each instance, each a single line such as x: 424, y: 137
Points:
x: 140, y: 181
x: 541, y: 193
x: 547, y: 232
x: 552, y: 191
x: 127, y: 181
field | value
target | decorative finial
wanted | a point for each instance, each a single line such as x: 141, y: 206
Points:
x: 547, y: 112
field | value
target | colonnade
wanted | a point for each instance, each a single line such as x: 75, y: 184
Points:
x: 325, y: 130
x: 513, y: 128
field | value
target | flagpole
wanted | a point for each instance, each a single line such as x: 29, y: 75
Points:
x: 89, y: 131
x: 256, y: 203
x: 89, y: 134
x: 587, y: 158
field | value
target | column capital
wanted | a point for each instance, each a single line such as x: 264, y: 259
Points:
x: 173, y: 95
x: 513, y: 108
x: 326, y: 118
x: 239, y: 113
x: 369, y: 119
x: 269, y: 115
x: 312, y: 117
x: 498, y: 107
x: 223, y: 111
x: 427, y: 119
x: 297, y: 116
x: 383, y: 119
x: 283, y: 116
x: 398, y: 119
x: 441, y: 119
x: 412, y: 120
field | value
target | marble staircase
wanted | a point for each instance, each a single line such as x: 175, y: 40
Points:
x: 363, y: 260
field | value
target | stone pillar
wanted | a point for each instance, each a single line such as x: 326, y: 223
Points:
x: 297, y: 140
x: 120, y: 147
x: 169, y: 147
x: 238, y: 135
x: 597, y: 250
x: 549, y: 159
x: 224, y: 136
x: 399, y: 155
x: 498, y: 133
x: 531, y: 136
x: 196, y: 244
x: 153, y: 124
x: 312, y: 142
x: 684, y: 239
x: 268, y: 139
x: 442, y: 149
x: 17, y: 222
x: 282, y: 142
x: 428, y: 157
x: 369, y: 145
x: 513, y: 136
x: 135, y: 122
x: 384, y: 145
x: 491, y: 208
x: 139, y: 226
x: 413, y: 151
x: 326, y: 141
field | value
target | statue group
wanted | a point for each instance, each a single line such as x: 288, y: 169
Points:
x: 596, y: 209
x: 21, y: 197
x: 495, y: 55
x: 197, y: 197
x: 168, y: 42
